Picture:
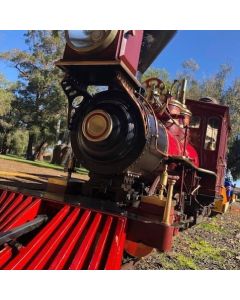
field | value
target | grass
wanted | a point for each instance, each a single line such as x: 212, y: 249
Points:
x: 41, y: 164
x: 166, y: 262
x: 202, y: 249
x: 198, y: 250
x: 186, y: 262
x: 211, y: 227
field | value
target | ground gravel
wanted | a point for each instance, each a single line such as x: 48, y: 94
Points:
x: 211, y: 245
x: 41, y: 175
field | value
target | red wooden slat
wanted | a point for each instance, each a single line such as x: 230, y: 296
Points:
x: 98, y: 252
x: 31, y: 249
x: 5, y: 255
x: 64, y: 254
x: 25, y: 215
x: 11, y: 208
x: 82, y: 252
x: 116, y: 251
x: 7, y: 201
x: 48, y: 250
x: 3, y: 197
x: 16, y: 212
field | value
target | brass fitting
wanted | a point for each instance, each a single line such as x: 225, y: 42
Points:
x: 163, y: 182
x: 168, y: 206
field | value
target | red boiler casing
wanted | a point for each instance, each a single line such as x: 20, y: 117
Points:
x: 176, y: 149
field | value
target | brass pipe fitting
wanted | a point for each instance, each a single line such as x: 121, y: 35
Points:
x: 167, y: 211
x: 163, y: 182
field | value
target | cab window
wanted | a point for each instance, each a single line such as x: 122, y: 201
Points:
x: 211, y: 134
x: 195, y: 122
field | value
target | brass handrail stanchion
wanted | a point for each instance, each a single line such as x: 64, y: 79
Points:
x: 163, y: 182
x: 166, y: 216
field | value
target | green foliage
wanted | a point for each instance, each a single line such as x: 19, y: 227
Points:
x: 234, y: 159
x: 157, y: 73
x: 40, y: 100
x: 204, y: 249
x: 6, y: 96
x: 190, y: 66
x: 215, y: 85
x: 186, y: 262
x: 211, y: 227
x: 17, y: 141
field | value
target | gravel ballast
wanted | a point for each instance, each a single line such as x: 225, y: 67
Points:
x: 211, y: 245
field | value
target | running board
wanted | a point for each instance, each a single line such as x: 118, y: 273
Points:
x: 73, y: 237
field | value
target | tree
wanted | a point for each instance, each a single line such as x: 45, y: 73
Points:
x: 6, y: 96
x: 189, y: 69
x: 40, y: 99
x: 215, y: 85
x: 157, y: 73
x: 231, y: 98
x: 234, y: 158
x: 6, y: 112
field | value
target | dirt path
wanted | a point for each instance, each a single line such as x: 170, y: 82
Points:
x: 37, y: 176
x: 214, y: 244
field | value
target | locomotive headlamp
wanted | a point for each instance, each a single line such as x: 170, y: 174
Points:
x: 86, y: 41
x: 97, y: 125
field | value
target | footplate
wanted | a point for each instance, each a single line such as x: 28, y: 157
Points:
x: 72, y: 238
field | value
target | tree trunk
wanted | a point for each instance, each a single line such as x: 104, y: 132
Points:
x: 66, y: 154
x: 29, y: 153
x: 40, y: 150
x: 57, y: 154
x: 4, y: 146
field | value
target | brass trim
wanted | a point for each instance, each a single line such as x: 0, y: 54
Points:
x: 176, y: 103
x: 63, y: 62
x: 168, y: 206
x: 106, y: 132
x: 186, y: 111
x: 154, y: 200
x: 101, y: 45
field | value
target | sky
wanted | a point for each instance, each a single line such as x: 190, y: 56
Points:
x: 209, y: 48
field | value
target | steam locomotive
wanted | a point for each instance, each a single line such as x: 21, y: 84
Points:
x: 156, y: 160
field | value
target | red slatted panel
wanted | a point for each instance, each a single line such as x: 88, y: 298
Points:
x: 6, y: 202
x: 82, y: 252
x: 10, y: 210
x: 98, y: 253
x: 73, y: 238
x: 3, y: 197
x: 47, y: 251
x: 27, y: 214
x: 115, y: 253
x: 16, y: 212
x: 20, y: 261
x: 64, y: 254
x: 5, y: 255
